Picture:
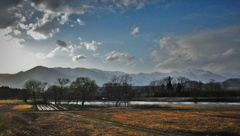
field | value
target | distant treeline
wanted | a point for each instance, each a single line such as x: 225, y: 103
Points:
x: 9, y: 93
x: 119, y: 89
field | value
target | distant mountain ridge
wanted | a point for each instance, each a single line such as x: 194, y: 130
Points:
x: 50, y: 75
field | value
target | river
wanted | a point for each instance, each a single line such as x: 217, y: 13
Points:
x: 150, y: 103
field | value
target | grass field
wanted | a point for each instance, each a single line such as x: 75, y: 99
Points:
x: 212, y: 120
x: 55, y: 124
x: 187, y: 120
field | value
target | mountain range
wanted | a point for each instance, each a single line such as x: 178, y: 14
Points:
x: 50, y: 75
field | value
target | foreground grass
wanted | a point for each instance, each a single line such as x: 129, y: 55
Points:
x: 54, y: 124
x: 187, y: 120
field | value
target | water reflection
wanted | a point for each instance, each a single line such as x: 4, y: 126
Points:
x: 150, y: 103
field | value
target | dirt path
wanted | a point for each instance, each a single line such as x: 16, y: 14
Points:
x: 6, y: 108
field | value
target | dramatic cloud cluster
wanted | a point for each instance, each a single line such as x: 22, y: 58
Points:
x: 215, y: 51
x: 50, y: 31
x: 62, y: 49
x: 79, y: 57
x: 10, y: 14
x: 42, y: 22
x: 43, y: 30
x: 54, y: 9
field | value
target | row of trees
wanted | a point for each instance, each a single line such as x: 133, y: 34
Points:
x: 118, y: 90
x: 81, y: 88
x: 9, y: 93
x: 182, y: 86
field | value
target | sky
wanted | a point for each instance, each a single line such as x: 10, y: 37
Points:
x: 133, y: 36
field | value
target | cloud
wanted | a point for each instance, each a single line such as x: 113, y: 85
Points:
x: 6, y: 37
x: 72, y: 49
x: 43, y: 31
x: 62, y: 49
x: 123, y: 5
x: 216, y: 51
x: 55, y: 12
x: 91, y: 45
x: 59, y: 7
x: 79, y: 57
x: 80, y: 22
x: 118, y: 56
x: 229, y: 52
x: 142, y: 60
x: 156, y: 55
x: 10, y: 15
x: 64, y: 19
x: 135, y: 31
x: 61, y: 43
x: 17, y: 32
x: 48, y: 55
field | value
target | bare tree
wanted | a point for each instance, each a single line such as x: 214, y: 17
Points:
x: 182, y: 82
x: 213, y: 89
x: 42, y: 92
x: 196, y: 88
x: 24, y: 95
x: 84, y: 87
x: 62, y: 82
x: 53, y: 90
x: 119, y: 89
x: 33, y: 86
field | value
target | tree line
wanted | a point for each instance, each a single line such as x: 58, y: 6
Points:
x: 80, y: 90
x: 184, y: 87
x: 118, y: 90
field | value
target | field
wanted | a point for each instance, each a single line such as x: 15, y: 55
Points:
x: 138, y: 120
x: 54, y: 124
x: 186, y: 120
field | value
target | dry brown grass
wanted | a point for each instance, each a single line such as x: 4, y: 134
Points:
x: 50, y: 124
x: 10, y: 101
x: 22, y: 107
x: 187, y: 120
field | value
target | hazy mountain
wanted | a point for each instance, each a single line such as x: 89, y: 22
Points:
x: 50, y: 75
x: 40, y: 73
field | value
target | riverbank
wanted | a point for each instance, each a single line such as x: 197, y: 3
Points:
x: 188, y: 99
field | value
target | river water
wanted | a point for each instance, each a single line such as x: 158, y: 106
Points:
x: 150, y: 103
